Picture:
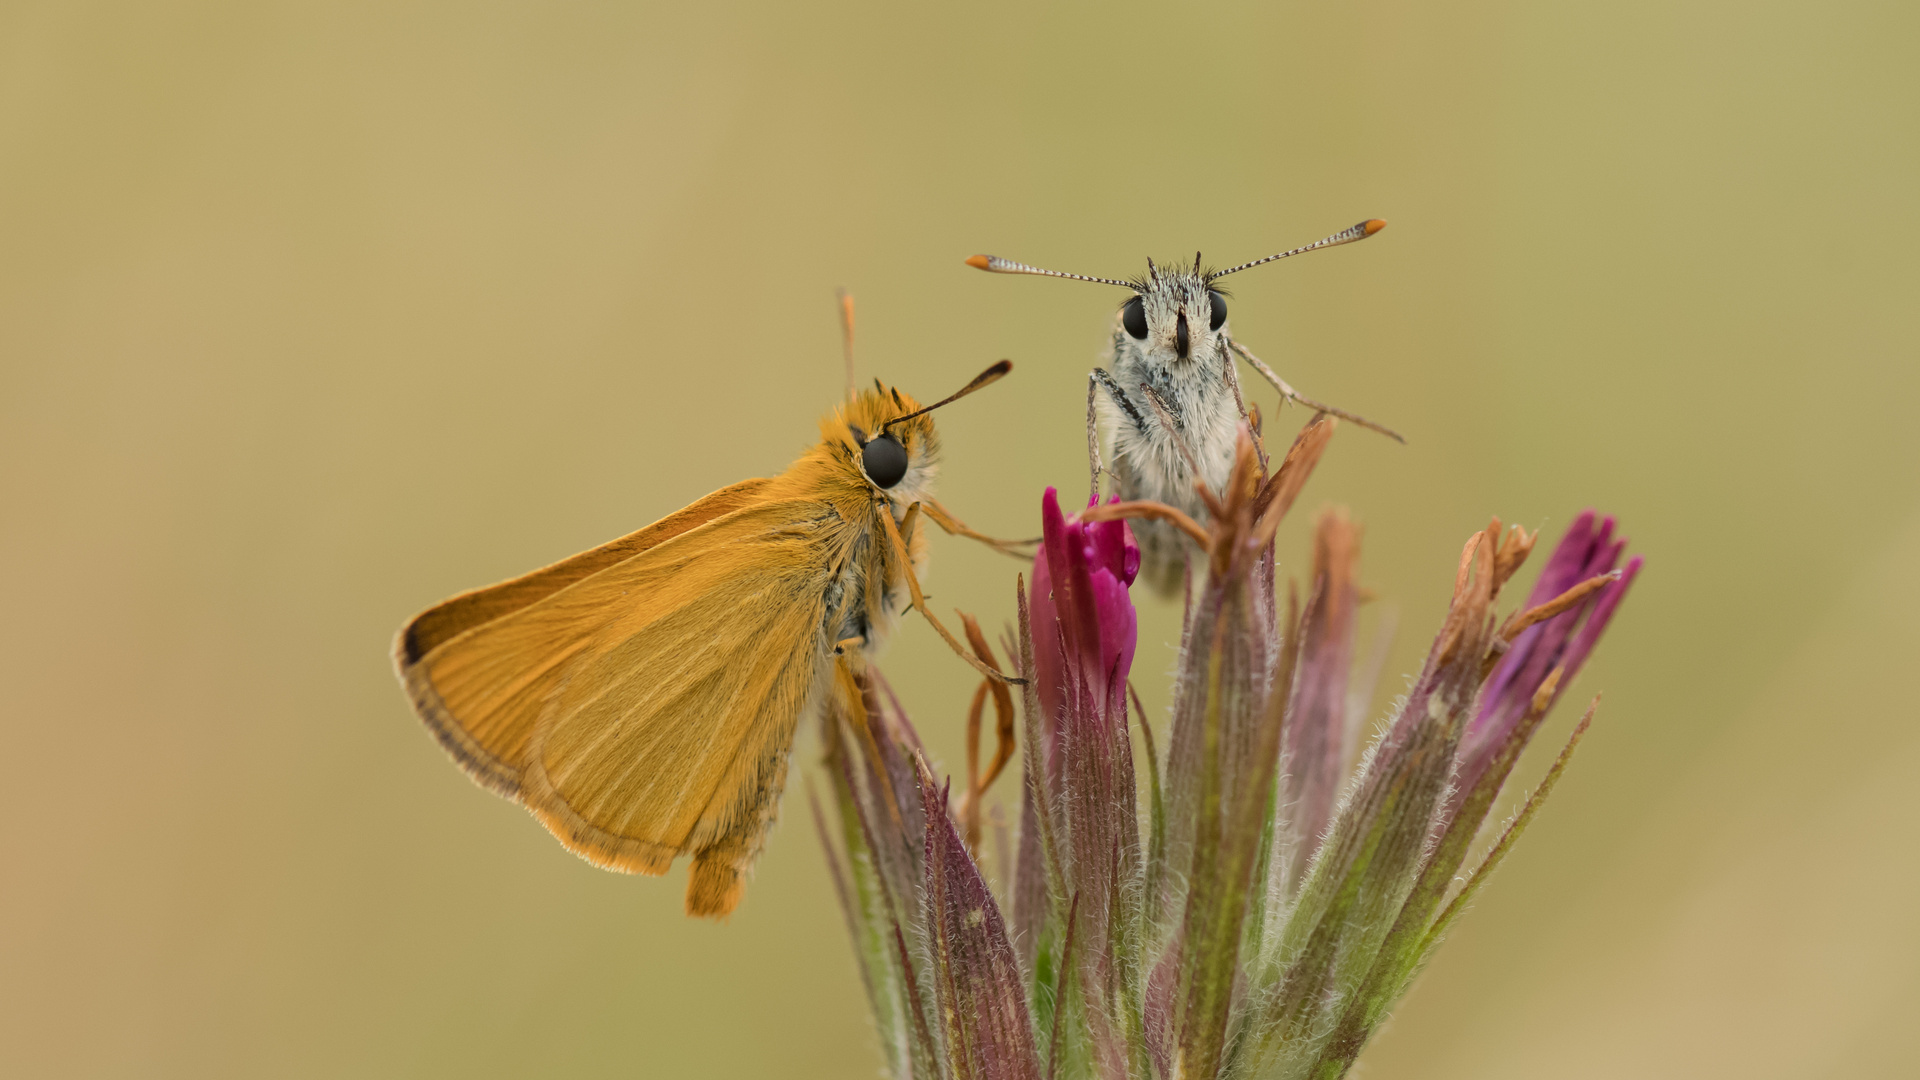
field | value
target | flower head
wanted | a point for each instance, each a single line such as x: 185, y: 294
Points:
x: 1275, y: 908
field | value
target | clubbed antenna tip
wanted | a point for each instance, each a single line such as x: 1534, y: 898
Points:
x: 994, y: 264
x: 1345, y: 236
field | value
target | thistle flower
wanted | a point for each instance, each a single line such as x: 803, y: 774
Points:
x: 1275, y: 907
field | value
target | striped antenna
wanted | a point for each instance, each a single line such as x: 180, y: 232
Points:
x: 1344, y: 236
x: 994, y: 264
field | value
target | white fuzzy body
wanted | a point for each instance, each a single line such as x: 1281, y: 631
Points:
x: 1197, y: 391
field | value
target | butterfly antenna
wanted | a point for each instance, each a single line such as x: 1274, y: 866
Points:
x: 985, y: 379
x: 846, y: 334
x: 1344, y: 236
x: 994, y: 264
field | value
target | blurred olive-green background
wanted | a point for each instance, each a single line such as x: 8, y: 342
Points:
x: 313, y: 314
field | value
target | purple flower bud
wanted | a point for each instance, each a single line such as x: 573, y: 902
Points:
x: 1080, y: 580
x: 1546, y: 656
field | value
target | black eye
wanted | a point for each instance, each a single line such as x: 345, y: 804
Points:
x: 1219, y: 309
x: 885, y: 460
x: 1134, y: 317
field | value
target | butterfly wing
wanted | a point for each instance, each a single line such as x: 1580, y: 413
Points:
x: 485, y: 731
x: 646, y: 709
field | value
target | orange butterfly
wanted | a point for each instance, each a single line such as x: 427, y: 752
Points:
x: 641, y: 698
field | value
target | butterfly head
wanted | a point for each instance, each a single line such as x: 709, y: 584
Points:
x: 894, y: 450
x: 1174, y: 316
x: 890, y: 438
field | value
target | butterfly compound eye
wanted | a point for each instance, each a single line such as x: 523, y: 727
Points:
x: 1134, y: 317
x: 1219, y: 310
x: 885, y: 460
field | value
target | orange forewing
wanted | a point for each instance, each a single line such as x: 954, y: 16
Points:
x: 490, y: 752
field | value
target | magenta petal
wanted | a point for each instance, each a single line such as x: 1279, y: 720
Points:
x: 1119, y: 631
x: 1570, y: 557
x: 1604, y: 605
x: 1114, y: 547
x: 1082, y: 613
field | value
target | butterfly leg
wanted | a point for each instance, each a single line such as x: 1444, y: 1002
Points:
x: 1098, y: 379
x: 919, y: 601
x: 1094, y: 464
x: 1251, y: 419
x: 1290, y: 394
x: 944, y: 518
x: 1120, y: 398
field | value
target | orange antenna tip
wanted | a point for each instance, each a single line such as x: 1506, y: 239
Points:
x: 994, y: 264
x: 1345, y: 236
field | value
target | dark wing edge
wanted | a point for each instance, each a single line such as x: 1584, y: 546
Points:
x: 482, y: 765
